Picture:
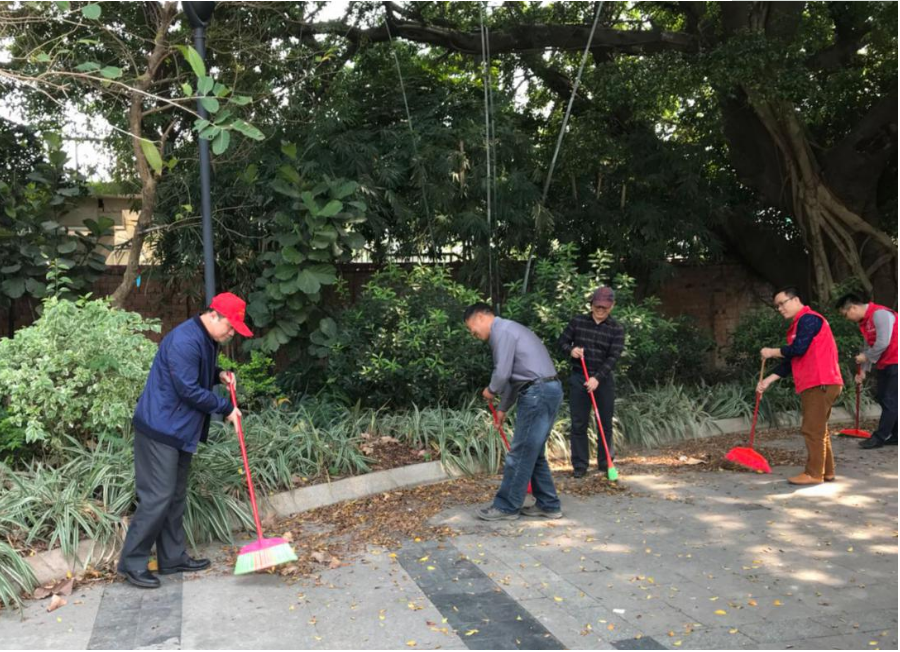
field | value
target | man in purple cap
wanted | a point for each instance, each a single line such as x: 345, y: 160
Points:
x: 171, y: 419
x: 599, y: 339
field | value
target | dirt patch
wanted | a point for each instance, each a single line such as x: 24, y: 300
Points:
x: 329, y: 536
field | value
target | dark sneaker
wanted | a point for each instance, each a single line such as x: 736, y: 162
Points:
x: 491, y: 513
x: 891, y: 442
x: 579, y: 473
x: 871, y: 442
x: 534, y: 510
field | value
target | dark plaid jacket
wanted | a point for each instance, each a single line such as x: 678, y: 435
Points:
x: 603, y: 344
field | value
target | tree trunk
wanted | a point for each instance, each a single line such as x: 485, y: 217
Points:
x: 832, y: 231
x: 146, y: 174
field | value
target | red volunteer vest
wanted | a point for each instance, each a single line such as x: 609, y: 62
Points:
x: 819, y: 365
x: 867, y: 328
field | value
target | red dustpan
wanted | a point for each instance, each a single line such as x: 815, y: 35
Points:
x: 746, y: 456
x: 855, y: 431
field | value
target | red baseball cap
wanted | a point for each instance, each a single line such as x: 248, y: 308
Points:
x: 233, y: 308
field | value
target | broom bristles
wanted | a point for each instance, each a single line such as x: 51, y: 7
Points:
x: 263, y: 554
x: 749, y: 458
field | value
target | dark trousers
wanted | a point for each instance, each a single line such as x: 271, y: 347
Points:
x: 582, y: 411
x: 886, y: 393
x: 160, y: 475
x: 535, y: 413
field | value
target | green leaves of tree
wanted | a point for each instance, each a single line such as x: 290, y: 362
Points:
x: 195, y: 61
x: 91, y: 11
x: 306, y: 242
x: 154, y: 160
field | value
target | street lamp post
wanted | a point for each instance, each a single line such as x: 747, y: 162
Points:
x: 199, y: 15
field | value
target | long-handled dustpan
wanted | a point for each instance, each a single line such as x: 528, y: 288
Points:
x: 262, y: 553
x: 855, y: 431
x: 746, y: 456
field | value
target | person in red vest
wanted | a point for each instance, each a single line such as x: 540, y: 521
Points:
x: 878, y: 325
x: 811, y: 358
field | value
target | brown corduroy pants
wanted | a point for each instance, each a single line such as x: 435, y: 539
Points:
x: 815, y: 404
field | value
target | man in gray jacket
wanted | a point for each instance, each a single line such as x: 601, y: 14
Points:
x: 523, y: 372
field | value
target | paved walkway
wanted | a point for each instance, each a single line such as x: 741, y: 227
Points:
x: 693, y: 560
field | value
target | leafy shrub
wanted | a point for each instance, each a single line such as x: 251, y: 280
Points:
x: 256, y: 380
x: 76, y: 372
x: 404, y: 342
x: 657, y: 348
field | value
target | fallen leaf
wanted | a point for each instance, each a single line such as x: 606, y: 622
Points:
x: 557, y: 598
x: 288, y: 536
x: 471, y: 631
x: 720, y: 612
x: 610, y: 627
x: 55, y: 603
x: 411, y: 643
x: 153, y: 566
x: 733, y: 630
x: 752, y: 603
x: 778, y: 603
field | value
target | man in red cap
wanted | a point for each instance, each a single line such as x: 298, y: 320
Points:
x: 811, y: 357
x: 600, y: 340
x: 171, y: 418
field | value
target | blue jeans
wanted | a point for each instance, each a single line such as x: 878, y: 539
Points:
x: 526, y: 461
x: 887, y: 398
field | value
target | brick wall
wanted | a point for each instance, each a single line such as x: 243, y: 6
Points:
x: 715, y: 296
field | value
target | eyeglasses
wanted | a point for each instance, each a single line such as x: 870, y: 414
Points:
x: 781, y: 303
x: 603, y: 308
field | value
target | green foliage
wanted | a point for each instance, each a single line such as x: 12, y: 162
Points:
x: 404, y: 342
x: 12, y: 440
x: 660, y: 414
x: 16, y: 576
x: 304, y: 242
x: 76, y: 372
x: 41, y: 257
x: 656, y: 347
x: 256, y: 381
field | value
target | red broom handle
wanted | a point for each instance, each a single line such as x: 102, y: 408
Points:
x: 762, y: 371
x: 497, y: 423
x: 597, y: 414
x: 858, y: 371
x: 503, y: 434
x: 240, y: 433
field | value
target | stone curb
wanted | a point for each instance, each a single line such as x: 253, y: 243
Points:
x: 52, y: 565
x: 838, y: 415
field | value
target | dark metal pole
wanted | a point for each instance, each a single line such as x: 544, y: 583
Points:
x: 209, y: 258
x: 199, y: 15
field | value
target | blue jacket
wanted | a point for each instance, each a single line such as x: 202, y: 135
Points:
x: 177, y: 400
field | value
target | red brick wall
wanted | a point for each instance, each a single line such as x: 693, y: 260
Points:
x: 715, y: 296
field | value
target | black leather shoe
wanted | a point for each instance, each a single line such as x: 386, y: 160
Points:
x: 871, y: 442
x: 891, y: 442
x: 579, y: 473
x: 189, y: 566
x: 143, y: 579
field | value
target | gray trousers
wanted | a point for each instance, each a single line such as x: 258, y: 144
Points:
x: 160, y: 475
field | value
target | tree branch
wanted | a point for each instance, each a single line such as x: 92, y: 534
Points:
x: 518, y: 38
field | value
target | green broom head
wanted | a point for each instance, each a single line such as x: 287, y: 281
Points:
x: 611, y: 474
x: 262, y: 554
